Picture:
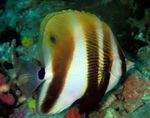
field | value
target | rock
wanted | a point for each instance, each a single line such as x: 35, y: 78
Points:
x: 133, y: 91
x: 146, y: 97
x: 134, y: 87
x: 109, y: 100
x: 111, y: 113
x: 104, y: 104
x: 144, y: 68
x: 132, y: 105
x: 95, y: 114
x: 143, y: 64
x: 118, y: 105
x: 33, y: 114
x: 144, y: 53
x: 143, y: 112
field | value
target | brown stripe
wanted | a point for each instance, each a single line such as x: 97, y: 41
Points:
x: 93, y: 59
x: 60, y: 64
x: 87, y: 102
x: 95, y: 92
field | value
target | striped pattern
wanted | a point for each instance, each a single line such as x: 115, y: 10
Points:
x: 92, y: 50
x: 99, y: 65
x: 93, y: 59
x: 83, y: 62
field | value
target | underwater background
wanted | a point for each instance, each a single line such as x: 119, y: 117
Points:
x: 19, y: 35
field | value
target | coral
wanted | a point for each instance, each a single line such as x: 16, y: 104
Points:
x: 26, y: 41
x: 133, y: 91
x: 111, y: 113
x: 25, y: 16
x: 6, y: 98
x: 143, y: 26
x: 5, y: 52
x: 26, y: 53
x: 19, y: 114
x: 31, y: 103
x: 32, y: 114
x: 142, y: 32
x: 143, y: 112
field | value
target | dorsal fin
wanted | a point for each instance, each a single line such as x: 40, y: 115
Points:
x: 50, y: 15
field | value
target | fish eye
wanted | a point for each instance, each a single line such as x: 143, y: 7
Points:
x: 52, y: 39
x: 41, y: 73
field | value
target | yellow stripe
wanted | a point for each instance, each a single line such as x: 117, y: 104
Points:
x: 108, y: 53
x: 108, y: 42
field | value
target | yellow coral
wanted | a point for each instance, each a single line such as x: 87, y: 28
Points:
x: 4, y: 88
x: 26, y: 41
x: 31, y: 103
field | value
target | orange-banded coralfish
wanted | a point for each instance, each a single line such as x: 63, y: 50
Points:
x: 82, y: 61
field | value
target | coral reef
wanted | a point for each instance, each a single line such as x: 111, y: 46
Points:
x: 25, y: 16
x: 7, y: 98
x: 19, y: 34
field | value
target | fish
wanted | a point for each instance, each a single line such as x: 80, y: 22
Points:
x: 79, y: 60
x: 82, y: 59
